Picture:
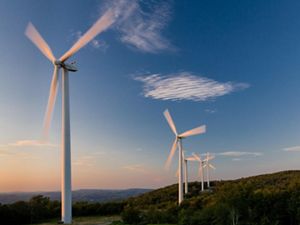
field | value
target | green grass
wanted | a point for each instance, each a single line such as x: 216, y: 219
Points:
x: 95, y: 220
x: 92, y: 220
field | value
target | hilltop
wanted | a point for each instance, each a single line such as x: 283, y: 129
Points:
x: 264, y: 199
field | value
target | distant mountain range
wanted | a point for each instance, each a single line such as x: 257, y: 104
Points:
x: 90, y: 195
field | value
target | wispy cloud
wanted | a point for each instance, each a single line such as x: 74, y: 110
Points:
x: 210, y: 111
x: 12, y: 149
x: 185, y: 86
x: 84, y: 161
x: 136, y: 168
x: 237, y: 154
x: 88, y: 160
x: 292, y: 149
x: 99, y: 44
x: 27, y: 143
x: 140, y: 23
x: 236, y: 159
x: 31, y: 143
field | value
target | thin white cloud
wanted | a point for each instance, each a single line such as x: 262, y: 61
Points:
x: 10, y: 148
x: 31, y: 143
x: 140, y: 23
x: 210, y: 111
x: 236, y: 159
x: 136, y: 168
x: 88, y: 160
x: 292, y: 149
x: 185, y: 86
x: 99, y: 44
x: 237, y: 154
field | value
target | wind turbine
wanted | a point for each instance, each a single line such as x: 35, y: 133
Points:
x: 178, y: 142
x: 185, y: 169
x: 208, y: 165
x: 101, y: 24
x: 200, y: 170
x: 186, y: 180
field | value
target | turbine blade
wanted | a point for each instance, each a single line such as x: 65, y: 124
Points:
x: 191, y: 159
x: 38, y: 41
x: 99, y: 26
x: 195, y: 131
x: 172, y: 152
x: 211, y: 166
x: 170, y: 121
x: 210, y: 158
x: 197, y: 157
x: 51, y: 102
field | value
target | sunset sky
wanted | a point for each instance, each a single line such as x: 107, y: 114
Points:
x: 231, y: 65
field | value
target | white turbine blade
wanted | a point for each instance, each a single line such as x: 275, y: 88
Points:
x: 197, y: 157
x: 204, y: 165
x: 51, y: 101
x: 195, y: 131
x: 211, y: 166
x: 210, y: 158
x: 170, y: 121
x: 39, y: 42
x: 101, y: 25
x: 172, y: 152
x: 191, y: 159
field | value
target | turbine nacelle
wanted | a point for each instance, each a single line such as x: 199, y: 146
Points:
x: 68, y: 66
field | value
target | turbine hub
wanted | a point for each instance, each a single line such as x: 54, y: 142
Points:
x: 57, y: 63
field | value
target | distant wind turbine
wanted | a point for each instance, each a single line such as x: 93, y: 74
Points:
x: 208, y: 165
x: 200, y: 170
x: 102, y: 24
x: 186, y: 179
x: 178, y: 142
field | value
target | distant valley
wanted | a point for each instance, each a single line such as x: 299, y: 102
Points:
x: 89, y: 195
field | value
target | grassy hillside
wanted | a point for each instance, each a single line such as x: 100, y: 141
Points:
x: 93, y: 220
x: 275, y: 182
x: 271, y: 199
x: 264, y: 199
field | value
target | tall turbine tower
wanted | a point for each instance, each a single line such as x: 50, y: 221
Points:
x: 102, y: 24
x: 200, y: 170
x: 185, y: 170
x: 178, y: 142
x: 208, y: 165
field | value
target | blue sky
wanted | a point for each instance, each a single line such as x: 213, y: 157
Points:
x: 232, y: 65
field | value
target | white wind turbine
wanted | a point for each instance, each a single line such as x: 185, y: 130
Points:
x: 178, y: 142
x: 101, y: 24
x: 208, y: 165
x: 186, y: 179
x: 200, y: 170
